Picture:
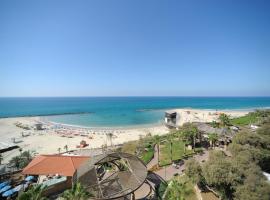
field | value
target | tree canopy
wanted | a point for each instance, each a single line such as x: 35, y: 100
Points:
x: 193, y: 170
x: 220, y: 173
x: 224, y: 120
x: 190, y: 132
x: 22, y: 160
x: 178, y: 189
x: 34, y: 193
x: 240, y: 176
x: 254, y: 188
x: 77, y: 192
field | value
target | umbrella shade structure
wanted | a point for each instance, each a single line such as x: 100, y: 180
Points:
x: 3, y: 184
x: 19, y: 187
x: 8, y: 193
x: 29, y: 178
x: 5, y: 188
x: 129, y: 173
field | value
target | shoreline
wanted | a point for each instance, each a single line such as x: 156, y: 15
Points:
x: 57, y: 135
x: 160, y: 123
x: 250, y: 109
x: 131, y: 126
x: 128, y: 127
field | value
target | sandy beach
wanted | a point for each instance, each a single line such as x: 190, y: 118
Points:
x: 196, y: 115
x: 54, y: 136
x: 57, y: 136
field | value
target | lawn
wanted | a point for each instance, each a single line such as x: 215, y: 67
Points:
x: 145, y: 150
x: 177, y: 152
x: 245, y: 120
x: 147, y: 155
x: 130, y: 147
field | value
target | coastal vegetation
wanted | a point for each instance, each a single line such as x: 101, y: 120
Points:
x: 238, y: 176
x: 234, y: 177
x: 224, y: 120
x: 212, y: 137
x: 21, y: 160
x: 171, y: 147
x: 34, y: 193
x: 174, y: 151
x: 193, y: 171
x: 77, y: 192
x: 143, y: 148
x: 180, y: 188
x: 257, y: 117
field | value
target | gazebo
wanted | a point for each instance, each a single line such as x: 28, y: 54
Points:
x: 129, y: 173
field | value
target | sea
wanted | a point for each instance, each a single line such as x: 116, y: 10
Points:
x: 118, y: 111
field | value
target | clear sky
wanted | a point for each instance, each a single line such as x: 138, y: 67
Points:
x: 135, y: 48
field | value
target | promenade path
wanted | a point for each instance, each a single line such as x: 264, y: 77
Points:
x: 168, y: 172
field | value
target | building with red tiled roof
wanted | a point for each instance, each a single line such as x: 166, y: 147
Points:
x: 54, y: 164
x: 46, y: 167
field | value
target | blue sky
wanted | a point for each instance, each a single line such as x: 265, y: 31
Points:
x: 135, y: 48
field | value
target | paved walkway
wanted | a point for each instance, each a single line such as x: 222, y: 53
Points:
x: 154, y: 161
x: 168, y: 172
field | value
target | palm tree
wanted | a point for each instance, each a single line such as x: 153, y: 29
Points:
x: 66, y: 147
x: 1, y: 158
x: 224, y: 120
x: 214, y: 124
x: 15, y: 162
x: 157, y: 142
x: 179, y: 135
x: 190, y: 132
x: 178, y: 190
x: 213, y: 137
x: 21, y: 161
x: 34, y: 193
x: 77, y: 192
x: 26, y: 155
x: 170, y: 139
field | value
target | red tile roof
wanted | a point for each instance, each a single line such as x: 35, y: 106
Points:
x: 54, y: 164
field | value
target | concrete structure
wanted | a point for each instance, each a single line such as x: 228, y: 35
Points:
x: 171, y: 119
x: 39, y: 126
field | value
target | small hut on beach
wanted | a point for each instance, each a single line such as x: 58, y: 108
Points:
x: 171, y: 118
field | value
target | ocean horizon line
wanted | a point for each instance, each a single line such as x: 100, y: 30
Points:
x: 191, y: 96
x: 248, y: 109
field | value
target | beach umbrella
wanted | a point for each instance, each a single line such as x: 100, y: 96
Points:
x: 3, y: 184
x: 8, y: 193
x: 29, y: 178
x: 5, y: 188
x: 19, y: 187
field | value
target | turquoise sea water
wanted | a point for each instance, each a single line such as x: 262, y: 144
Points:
x: 118, y: 111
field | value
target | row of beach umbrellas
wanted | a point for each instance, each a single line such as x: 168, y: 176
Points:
x: 6, y: 190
